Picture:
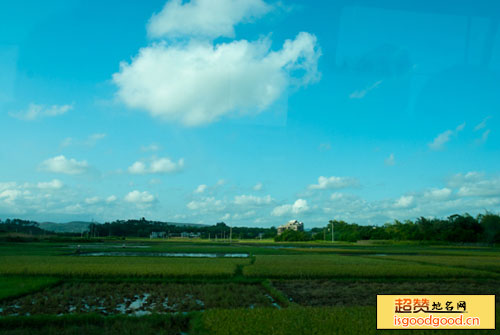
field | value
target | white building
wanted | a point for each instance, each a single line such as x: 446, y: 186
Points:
x: 291, y: 225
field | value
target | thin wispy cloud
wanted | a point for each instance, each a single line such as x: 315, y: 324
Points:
x: 390, y: 161
x: 37, y: 111
x: 439, y: 141
x: 359, y: 94
x: 482, y: 124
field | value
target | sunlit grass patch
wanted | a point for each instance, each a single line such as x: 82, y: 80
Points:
x: 325, y: 266
x: 487, y: 263
x: 118, y: 266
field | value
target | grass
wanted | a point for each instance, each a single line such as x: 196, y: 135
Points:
x: 332, y: 286
x: 95, y: 325
x: 12, y: 286
x: 337, y: 266
x: 305, y: 320
x: 490, y: 263
x: 118, y: 266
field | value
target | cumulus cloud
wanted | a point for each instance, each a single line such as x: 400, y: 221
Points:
x: 196, y: 82
x: 92, y: 200
x: 111, y: 199
x: 36, y: 111
x: 157, y: 166
x: 54, y: 184
x: 201, y: 188
x: 443, y: 138
x: 251, y: 200
x: 206, y: 204
x: 404, y: 201
x: 475, y: 184
x: 438, y: 193
x: 334, y: 183
x: 204, y: 18
x: 298, y: 207
x: 60, y: 164
x: 258, y: 186
x: 140, y: 199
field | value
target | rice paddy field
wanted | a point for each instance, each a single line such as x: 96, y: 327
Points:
x: 201, y: 287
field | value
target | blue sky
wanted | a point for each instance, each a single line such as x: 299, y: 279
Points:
x: 252, y: 112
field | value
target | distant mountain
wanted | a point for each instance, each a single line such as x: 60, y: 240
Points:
x: 67, y: 227
x: 79, y: 226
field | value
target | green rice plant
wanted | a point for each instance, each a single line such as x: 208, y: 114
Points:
x: 305, y: 320
x: 488, y: 263
x: 11, y: 286
x: 337, y: 266
x: 118, y: 266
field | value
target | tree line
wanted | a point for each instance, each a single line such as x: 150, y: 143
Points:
x: 456, y: 228
x: 484, y: 228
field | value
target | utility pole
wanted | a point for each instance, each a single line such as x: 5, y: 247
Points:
x: 230, y: 234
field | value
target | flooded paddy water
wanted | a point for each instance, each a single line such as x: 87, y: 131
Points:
x: 136, y: 298
x: 165, y: 254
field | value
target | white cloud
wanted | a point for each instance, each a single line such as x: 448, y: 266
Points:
x: 334, y: 182
x: 201, y: 188
x: 336, y: 196
x: 440, y: 140
x: 359, y: 94
x: 484, y: 137
x: 258, y: 186
x: 390, y: 160
x: 36, y: 111
x: 443, y: 138
x: 198, y: 83
x: 157, y: 165
x: 165, y: 165
x: 204, y: 18
x: 92, y: 200
x: 475, y: 184
x: 10, y: 195
x: 54, y: 184
x: 137, y: 168
x: 151, y: 147
x: 298, y: 207
x: 94, y: 138
x: 404, y: 201
x: 140, y: 199
x: 251, y: 200
x: 90, y: 141
x: 206, y: 204
x: 60, y: 164
x: 111, y: 198
x: 438, y: 193
x: 482, y: 124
